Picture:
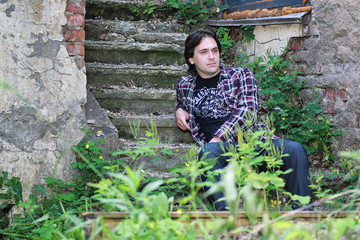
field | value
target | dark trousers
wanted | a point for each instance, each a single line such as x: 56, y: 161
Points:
x: 297, y: 181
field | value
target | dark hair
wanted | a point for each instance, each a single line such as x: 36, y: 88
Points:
x: 192, y: 41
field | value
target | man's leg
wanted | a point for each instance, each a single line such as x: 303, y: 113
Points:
x: 214, y: 151
x: 298, y: 180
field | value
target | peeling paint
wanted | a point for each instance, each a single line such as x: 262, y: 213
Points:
x: 37, y: 77
x: 21, y: 127
x: 9, y: 10
x: 47, y: 49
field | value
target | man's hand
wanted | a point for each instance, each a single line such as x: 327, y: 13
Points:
x: 182, y: 116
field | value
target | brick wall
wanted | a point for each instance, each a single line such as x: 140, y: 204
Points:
x: 74, y: 33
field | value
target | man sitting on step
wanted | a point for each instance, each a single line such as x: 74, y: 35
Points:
x: 213, y: 100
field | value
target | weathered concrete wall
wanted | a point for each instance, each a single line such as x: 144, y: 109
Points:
x: 35, y: 142
x: 329, y: 55
x: 271, y: 39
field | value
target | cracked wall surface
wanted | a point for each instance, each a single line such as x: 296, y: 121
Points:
x: 272, y: 39
x: 40, y: 116
x: 330, y: 53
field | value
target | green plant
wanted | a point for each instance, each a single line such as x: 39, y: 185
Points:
x: 45, y: 217
x: 189, y: 176
x: 148, y: 213
x: 293, y: 118
x: 248, y: 32
x: 10, y: 195
x: 242, y: 175
x: 226, y: 42
x: 148, y: 210
x: 170, y: 188
x: 146, y: 8
x: 91, y: 163
x: 11, y: 190
x: 193, y: 11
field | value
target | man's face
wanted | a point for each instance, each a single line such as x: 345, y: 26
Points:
x: 206, y: 58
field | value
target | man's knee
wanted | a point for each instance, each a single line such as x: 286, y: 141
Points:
x: 212, y: 150
x: 296, y: 152
x: 293, y: 147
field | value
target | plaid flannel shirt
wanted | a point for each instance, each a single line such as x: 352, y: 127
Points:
x: 241, y: 97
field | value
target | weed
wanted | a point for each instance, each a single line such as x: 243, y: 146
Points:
x: 225, y: 40
x: 10, y: 195
x: 248, y: 32
x: 147, y: 8
x: 54, y: 214
x: 194, y: 11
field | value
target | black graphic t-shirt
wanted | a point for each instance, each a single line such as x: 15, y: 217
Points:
x: 209, y: 112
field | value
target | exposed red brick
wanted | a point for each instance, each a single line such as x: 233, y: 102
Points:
x: 300, y: 56
x: 330, y: 108
x: 75, y: 49
x: 357, y: 121
x: 75, y: 7
x: 75, y: 20
x: 300, y: 68
x: 80, y: 63
x: 297, y: 44
x: 330, y: 94
x: 343, y: 95
x: 74, y: 35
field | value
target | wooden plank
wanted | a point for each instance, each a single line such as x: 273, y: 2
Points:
x: 112, y: 219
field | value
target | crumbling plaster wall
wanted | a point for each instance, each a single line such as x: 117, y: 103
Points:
x: 41, y: 117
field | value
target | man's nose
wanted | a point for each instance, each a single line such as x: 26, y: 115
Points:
x: 211, y: 55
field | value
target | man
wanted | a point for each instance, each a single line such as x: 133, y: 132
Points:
x: 213, y: 100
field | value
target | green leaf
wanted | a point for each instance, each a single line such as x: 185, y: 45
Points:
x: 41, y: 189
x: 151, y: 187
x: 46, y: 232
x: 159, y: 206
x: 42, y: 219
x: 69, y: 197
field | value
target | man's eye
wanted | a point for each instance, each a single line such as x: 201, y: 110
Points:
x: 215, y: 50
x: 203, y: 52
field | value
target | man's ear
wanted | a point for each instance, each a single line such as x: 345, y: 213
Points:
x: 191, y: 60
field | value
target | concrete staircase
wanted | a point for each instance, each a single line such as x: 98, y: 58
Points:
x: 132, y: 65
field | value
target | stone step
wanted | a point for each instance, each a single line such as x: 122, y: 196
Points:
x: 166, y: 156
x: 133, y: 52
x: 129, y: 10
x: 174, y: 38
x: 134, y: 75
x: 137, y: 101
x: 167, y: 130
x: 122, y: 30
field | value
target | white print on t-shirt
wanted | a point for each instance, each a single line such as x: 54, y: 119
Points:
x: 208, y: 104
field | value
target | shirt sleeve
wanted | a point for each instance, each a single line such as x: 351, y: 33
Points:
x: 180, y: 94
x: 243, y: 98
